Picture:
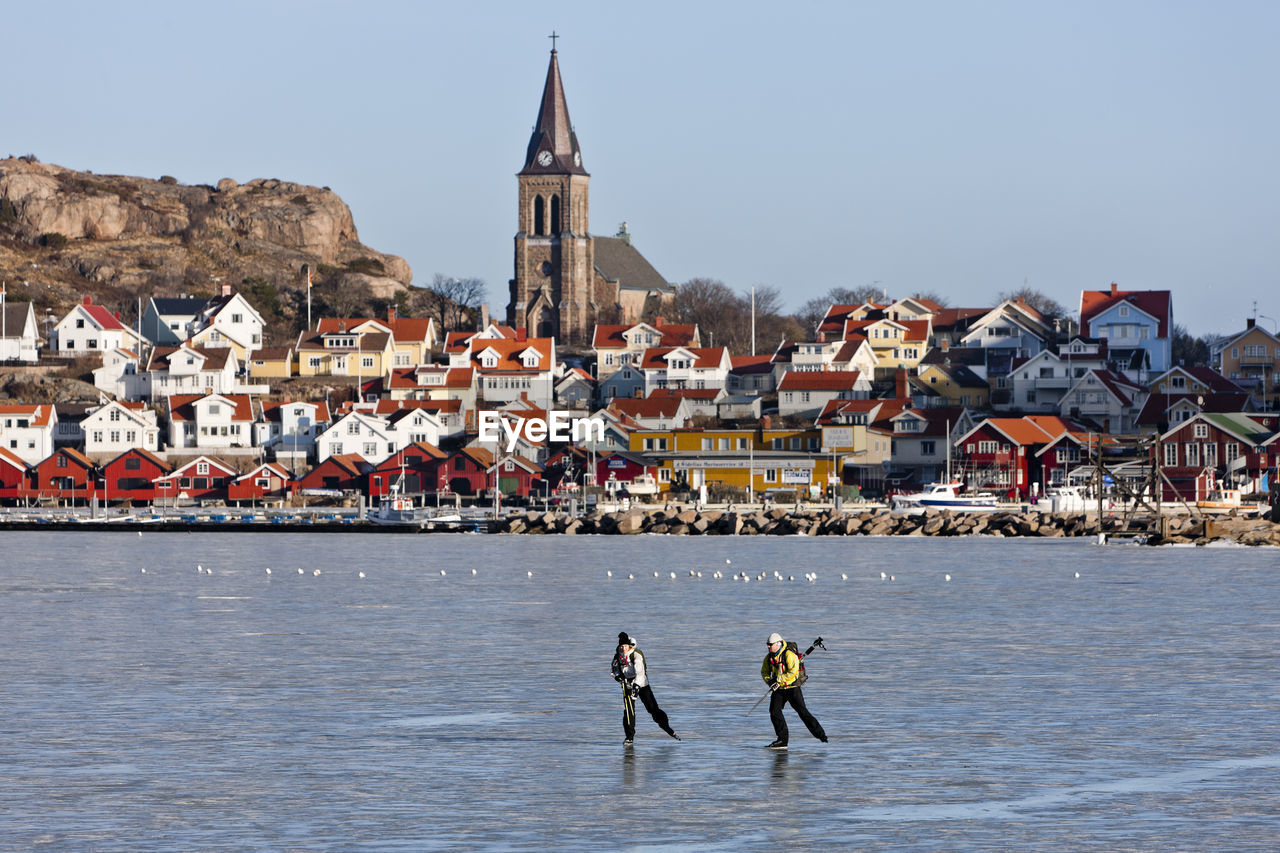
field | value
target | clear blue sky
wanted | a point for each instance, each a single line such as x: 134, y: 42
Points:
x: 963, y: 148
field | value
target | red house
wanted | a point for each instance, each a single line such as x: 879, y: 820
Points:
x: 417, y: 463
x: 1230, y: 448
x: 623, y: 468
x: 1001, y: 454
x: 13, y: 476
x: 67, y: 475
x: 342, y: 473
x: 131, y: 476
x: 201, y: 479
x: 518, y: 476
x: 469, y: 471
x: 268, y: 482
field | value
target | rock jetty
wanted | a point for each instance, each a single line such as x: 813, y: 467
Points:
x: 783, y: 522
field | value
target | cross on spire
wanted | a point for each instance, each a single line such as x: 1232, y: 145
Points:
x: 553, y: 38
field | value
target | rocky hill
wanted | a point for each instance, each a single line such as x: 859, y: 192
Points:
x: 65, y: 234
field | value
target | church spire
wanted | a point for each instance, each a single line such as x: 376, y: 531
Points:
x: 553, y: 147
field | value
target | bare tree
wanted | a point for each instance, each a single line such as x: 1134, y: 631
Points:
x: 1048, y: 307
x: 933, y: 296
x: 451, y: 301
x: 855, y: 295
x: 721, y: 314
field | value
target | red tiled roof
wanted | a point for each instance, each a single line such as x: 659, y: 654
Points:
x: 509, y: 353
x: 648, y: 407
x: 673, y: 335
x: 703, y: 357
x: 182, y: 406
x: 102, y: 316
x: 39, y: 414
x: 271, y: 409
x: 818, y: 380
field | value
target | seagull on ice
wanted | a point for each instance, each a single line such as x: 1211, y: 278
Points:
x: 268, y: 570
x: 144, y: 570
x: 316, y: 573
x: 362, y: 574
x: 473, y: 571
x: 530, y: 574
x: 442, y: 573
x: 946, y: 577
x: 843, y: 576
x: 673, y: 575
x: 299, y: 569
x: 607, y: 574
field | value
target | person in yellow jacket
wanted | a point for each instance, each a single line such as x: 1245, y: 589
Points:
x: 781, y: 671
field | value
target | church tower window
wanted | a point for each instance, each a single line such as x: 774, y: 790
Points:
x: 539, y: 217
x: 555, y: 215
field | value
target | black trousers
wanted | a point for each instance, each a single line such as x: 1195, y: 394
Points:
x: 793, y: 695
x: 650, y: 705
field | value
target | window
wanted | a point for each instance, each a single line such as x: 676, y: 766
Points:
x: 97, y: 437
x: 62, y: 462
x: 114, y: 416
x: 115, y: 436
x: 80, y: 324
x: 370, y: 448
x: 795, y: 443
x: 366, y: 361
x: 237, y: 318
x: 771, y: 475
x: 725, y: 443
x: 1200, y: 430
x: 1193, y: 454
x: 1211, y: 454
x: 928, y: 448
x: 1230, y: 451
x: 1178, y: 382
x: 988, y: 446
x: 202, y: 467
x: 353, y: 427
x: 133, y: 463
x: 1124, y: 311
x: 707, y: 443
x: 336, y: 448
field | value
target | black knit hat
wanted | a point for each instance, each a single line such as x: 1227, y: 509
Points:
x: 623, y: 639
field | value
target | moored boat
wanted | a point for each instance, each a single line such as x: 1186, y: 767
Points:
x: 945, y: 496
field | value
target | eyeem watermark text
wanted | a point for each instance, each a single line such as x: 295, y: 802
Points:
x: 558, y: 426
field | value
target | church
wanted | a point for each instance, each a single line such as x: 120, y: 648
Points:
x: 566, y: 279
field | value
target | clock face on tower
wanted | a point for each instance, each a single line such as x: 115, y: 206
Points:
x: 577, y: 158
x: 544, y: 159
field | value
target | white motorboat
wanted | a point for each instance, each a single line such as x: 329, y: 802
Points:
x: 945, y: 496
x: 1062, y: 499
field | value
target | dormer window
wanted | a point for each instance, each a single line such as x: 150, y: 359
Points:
x: 202, y: 468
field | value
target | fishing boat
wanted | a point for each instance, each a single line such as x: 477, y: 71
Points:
x: 946, y: 495
x: 396, y: 508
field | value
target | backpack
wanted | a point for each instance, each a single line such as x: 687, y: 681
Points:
x: 792, y: 647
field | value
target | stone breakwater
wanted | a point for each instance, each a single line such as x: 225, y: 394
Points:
x: 781, y: 522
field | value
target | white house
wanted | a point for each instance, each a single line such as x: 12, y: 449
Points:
x: 119, y: 375
x: 1107, y: 398
x: 1039, y: 383
x: 291, y: 428
x: 210, y: 421
x: 115, y: 427
x: 807, y: 393
x: 26, y: 430
x: 227, y: 320
x: 513, y: 369
x: 190, y: 370
x: 167, y: 321
x: 357, y: 432
x: 89, y: 328
x: 685, y: 367
x: 19, y: 334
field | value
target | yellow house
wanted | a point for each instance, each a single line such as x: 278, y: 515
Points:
x: 898, y: 343
x: 270, y: 363
x: 785, y: 459
x: 957, y: 384
x: 362, y: 354
x: 1251, y: 359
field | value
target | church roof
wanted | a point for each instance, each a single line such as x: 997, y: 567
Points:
x: 617, y: 260
x: 553, y: 132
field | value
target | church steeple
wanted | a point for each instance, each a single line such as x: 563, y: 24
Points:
x: 553, y: 147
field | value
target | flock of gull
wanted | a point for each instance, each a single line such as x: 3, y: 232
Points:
x: 811, y: 577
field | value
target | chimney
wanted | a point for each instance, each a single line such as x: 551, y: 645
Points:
x: 391, y: 313
x: 944, y: 344
x: 766, y: 422
x: 88, y: 300
x: 117, y: 315
x: 522, y: 334
x: 226, y: 289
x: 657, y: 321
x: 1113, y: 288
x: 900, y: 384
x: 484, y: 317
x: 822, y: 337
x: 1248, y: 323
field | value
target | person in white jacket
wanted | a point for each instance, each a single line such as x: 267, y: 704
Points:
x: 629, y: 671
